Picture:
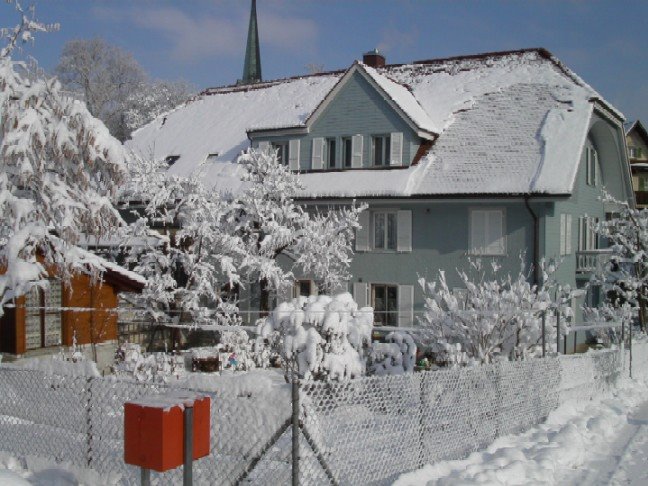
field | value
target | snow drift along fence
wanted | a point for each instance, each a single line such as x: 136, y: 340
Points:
x: 365, y: 431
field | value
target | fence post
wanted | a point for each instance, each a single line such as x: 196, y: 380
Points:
x: 89, y: 421
x: 544, y: 319
x: 295, y: 428
x: 557, y: 331
x: 630, y: 346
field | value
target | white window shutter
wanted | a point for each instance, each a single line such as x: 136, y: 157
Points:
x: 362, y: 233
x: 361, y: 294
x: 318, y: 153
x: 405, y: 305
x: 396, y: 156
x: 404, y: 229
x: 568, y: 234
x: 293, y: 154
x: 263, y: 146
x: 356, y: 151
x: 595, y: 167
x: 563, y: 236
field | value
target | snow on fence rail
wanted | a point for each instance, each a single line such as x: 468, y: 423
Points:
x: 363, y: 431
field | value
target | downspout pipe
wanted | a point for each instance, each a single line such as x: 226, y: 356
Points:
x: 536, y: 241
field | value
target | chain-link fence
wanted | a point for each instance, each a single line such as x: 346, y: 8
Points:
x: 363, y: 431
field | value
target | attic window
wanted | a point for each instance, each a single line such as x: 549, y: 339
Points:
x: 171, y: 159
x: 212, y: 157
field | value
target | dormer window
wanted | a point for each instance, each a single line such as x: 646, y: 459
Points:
x: 171, y: 159
x: 635, y: 152
x: 212, y: 157
x: 380, y: 149
x: 282, y: 151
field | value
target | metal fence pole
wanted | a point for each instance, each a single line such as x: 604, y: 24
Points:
x: 187, y: 469
x: 295, y: 428
x: 544, y: 319
x: 630, y: 346
x: 557, y: 331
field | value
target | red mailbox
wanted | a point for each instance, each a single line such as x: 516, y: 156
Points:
x: 154, y: 429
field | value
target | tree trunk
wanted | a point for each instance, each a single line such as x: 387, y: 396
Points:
x: 264, y: 300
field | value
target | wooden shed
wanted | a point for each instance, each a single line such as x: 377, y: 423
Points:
x: 50, y: 318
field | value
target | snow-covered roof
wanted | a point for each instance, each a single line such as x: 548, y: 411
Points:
x: 84, y: 258
x: 508, y: 123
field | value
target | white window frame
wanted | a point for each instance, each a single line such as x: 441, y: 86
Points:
x: 393, y: 314
x: 386, y: 213
x: 474, y: 249
x: 592, y: 169
x: 587, y: 236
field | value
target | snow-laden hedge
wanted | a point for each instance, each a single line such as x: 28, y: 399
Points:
x: 329, y: 338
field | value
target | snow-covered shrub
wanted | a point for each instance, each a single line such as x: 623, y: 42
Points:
x: 130, y: 361
x: 325, y: 338
x: 495, y: 317
x: 397, y: 355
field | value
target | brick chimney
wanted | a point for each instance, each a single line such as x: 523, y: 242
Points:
x: 373, y: 59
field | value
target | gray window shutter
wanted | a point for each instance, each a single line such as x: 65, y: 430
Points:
x: 361, y: 294
x: 293, y: 154
x: 356, y: 151
x: 362, y: 233
x: 404, y: 228
x: 568, y: 234
x: 396, y: 156
x: 563, y: 236
x: 263, y: 146
x: 318, y: 153
x: 595, y: 167
x: 405, y: 305
x: 581, y: 239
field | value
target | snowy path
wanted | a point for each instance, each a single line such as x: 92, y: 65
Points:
x: 603, y: 442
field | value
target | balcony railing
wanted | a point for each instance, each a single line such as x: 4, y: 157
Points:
x: 591, y: 261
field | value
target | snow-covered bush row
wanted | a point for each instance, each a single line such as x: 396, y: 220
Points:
x: 494, y: 317
x: 329, y: 338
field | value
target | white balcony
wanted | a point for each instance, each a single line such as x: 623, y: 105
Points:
x: 592, y: 261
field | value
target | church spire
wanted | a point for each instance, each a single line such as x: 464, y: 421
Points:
x: 252, y: 66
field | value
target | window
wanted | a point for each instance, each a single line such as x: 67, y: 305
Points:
x: 643, y: 182
x: 384, y: 300
x: 587, y: 238
x: 282, y: 152
x: 331, y: 152
x: 171, y: 159
x: 380, y: 149
x: 634, y: 152
x: 347, y: 152
x: 487, y: 232
x: 591, y: 156
x: 43, y: 316
x: 385, y: 230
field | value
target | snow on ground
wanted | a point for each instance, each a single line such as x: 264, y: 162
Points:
x: 41, y: 472
x: 599, y: 442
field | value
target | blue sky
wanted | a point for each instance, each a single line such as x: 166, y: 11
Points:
x: 203, y: 41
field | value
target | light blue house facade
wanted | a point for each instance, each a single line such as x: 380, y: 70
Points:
x: 491, y: 156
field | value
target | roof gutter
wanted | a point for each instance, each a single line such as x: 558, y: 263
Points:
x: 536, y: 241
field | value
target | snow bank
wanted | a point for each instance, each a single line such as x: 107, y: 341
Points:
x: 56, y: 365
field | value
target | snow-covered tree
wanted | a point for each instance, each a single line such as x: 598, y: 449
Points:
x: 115, y: 87
x: 59, y: 170
x: 494, y: 316
x: 270, y: 223
x: 103, y: 76
x: 324, y: 338
x: 627, y: 276
x: 151, y: 99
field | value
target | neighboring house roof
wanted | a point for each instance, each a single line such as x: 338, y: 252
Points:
x: 507, y: 123
x: 639, y: 128
x: 112, y: 273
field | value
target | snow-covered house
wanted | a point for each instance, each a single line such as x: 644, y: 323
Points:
x: 637, y: 141
x: 81, y: 311
x: 488, y: 156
